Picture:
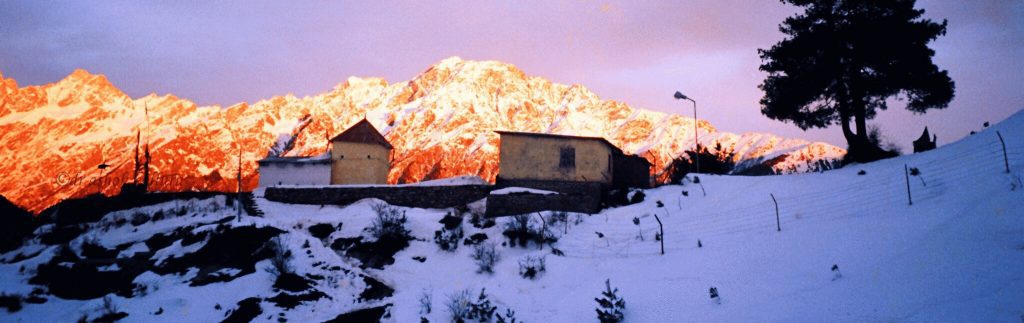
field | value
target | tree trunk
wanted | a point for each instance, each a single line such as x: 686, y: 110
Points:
x: 844, y: 118
x: 852, y: 106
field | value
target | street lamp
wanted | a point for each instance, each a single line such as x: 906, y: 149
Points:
x: 696, y: 144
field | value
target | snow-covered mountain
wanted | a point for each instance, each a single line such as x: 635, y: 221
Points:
x: 441, y: 123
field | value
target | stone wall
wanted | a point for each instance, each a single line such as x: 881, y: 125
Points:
x: 522, y: 203
x: 581, y: 197
x: 429, y: 197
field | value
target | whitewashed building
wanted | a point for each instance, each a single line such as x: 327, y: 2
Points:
x: 278, y: 171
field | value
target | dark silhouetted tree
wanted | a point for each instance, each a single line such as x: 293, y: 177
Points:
x: 842, y: 60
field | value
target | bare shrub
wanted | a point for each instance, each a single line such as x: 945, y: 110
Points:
x: 531, y: 266
x: 139, y: 218
x: 109, y: 311
x: 486, y: 255
x: 479, y: 218
x: 521, y: 230
x: 389, y: 224
x: 280, y: 259
x: 458, y: 305
x: 108, y: 307
x: 426, y: 302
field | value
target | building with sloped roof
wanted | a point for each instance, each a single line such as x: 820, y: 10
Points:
x: 527, y: 156
x: 360, y: 155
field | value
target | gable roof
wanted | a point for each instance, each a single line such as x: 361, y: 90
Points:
x: 362, y: 132
x: 554, y: 136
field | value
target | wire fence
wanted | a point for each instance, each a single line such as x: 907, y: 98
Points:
x: 726, y: 214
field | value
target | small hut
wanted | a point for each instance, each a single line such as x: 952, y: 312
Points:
x: 360, y: 155
x: 925, y: 142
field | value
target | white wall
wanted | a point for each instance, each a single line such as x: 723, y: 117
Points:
x: 295, y: 174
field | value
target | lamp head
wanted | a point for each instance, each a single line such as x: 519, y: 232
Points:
x: 681, y: 96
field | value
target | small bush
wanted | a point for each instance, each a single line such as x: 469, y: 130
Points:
x: 610, y: 306
x: 475, y: 239
x: 389, y: 224
x: 479, y: 218
x: 109, y: 311
x: 558, y: 217
x: 462, y: 308
x: 448, y: 237
x: 486, y: 255
x: 108, y: 306
x: 521, y: 230
x: 426, y: 302
x: 510, y: 317
x: 139, y: 218
x: 531, y: 266
x: 280, y: 259
x: 321, y: 230
x: 636, y: 222
x: 181, y: 210
x: 1015, y: 182
x: 458, y: 305
x: 11, y: 302
x: 637, y: 197
x: 158, y: 215
x: 448, y: 240
x: 481, y: 310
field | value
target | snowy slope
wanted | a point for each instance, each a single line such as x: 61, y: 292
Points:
x: 954, y: 255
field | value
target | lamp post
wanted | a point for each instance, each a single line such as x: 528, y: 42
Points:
x: 696, y: 143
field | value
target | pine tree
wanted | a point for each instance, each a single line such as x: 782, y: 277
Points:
x: 510, y: 317
x: 482, y: 310
x: 842, y: 60
x: 610, y: 306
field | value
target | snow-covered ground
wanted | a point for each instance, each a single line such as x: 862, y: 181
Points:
x: 956, y: 254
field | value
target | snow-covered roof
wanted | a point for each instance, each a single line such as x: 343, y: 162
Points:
x: 319, y: 159
x: 521, y: 190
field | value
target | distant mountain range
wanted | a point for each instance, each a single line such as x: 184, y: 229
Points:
x: 55, y: 137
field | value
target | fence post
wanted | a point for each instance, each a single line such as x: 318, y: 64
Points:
x: 544, y: 228
x: 778, y: 226
x: 661, y: 229
x: 906, y: 173
x: 1006, y: 160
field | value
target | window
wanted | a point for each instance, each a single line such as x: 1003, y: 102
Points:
x: 567, y: 158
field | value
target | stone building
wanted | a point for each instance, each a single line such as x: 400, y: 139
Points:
x: 360, y: 155
x: 536, y: 157
x: 582, y: 170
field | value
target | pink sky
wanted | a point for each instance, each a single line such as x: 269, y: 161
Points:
x: 638, y: 52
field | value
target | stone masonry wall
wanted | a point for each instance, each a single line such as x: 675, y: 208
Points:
x: 581, y: 197
x: 430, y: 197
